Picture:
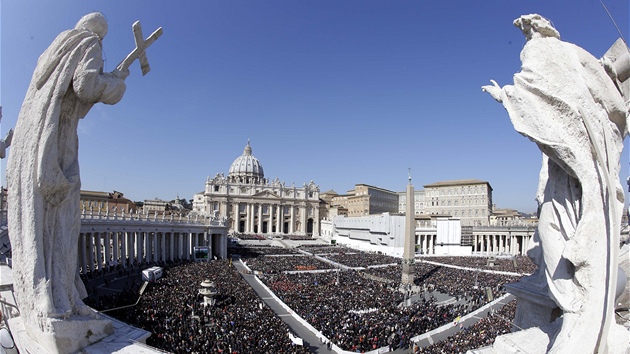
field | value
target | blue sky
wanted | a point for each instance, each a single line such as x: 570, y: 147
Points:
x: 338, y: 92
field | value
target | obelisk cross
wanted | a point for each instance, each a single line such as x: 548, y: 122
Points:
x: 139, y: 51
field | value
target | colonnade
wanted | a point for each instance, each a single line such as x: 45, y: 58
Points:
x: 489, y: 240
x: 426, y: 243
x: 503, y: 243
x: 107, y: 241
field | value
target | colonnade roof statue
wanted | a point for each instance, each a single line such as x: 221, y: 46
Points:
x: 567, y: 102
x: 44, y: 183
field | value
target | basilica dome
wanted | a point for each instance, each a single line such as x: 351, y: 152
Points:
x: 246, y: 168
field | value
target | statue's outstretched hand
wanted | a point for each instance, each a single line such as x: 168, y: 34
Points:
x: 494, y: 90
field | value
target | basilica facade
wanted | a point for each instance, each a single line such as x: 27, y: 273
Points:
x: 252, y: 204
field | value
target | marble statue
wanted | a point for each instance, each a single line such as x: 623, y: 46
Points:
x: 565, y: 101
x: 44, y: 184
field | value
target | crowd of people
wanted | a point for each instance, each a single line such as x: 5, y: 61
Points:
x: 479, y: 335
x: 283, y: 263
x: 360, y: 314
x: 460, y: 282
x: 358, y: 310
x: 515, y: 264
x: 172, y: 310
x: 362, y: 259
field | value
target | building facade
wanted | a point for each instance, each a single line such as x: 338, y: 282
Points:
x: 252, y: 204
x: 469, y: 200
x: 418, y: 197
x: 366, y: 200
x: 104, y: 202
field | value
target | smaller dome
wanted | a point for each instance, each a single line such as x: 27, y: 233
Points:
x: 246, y: 168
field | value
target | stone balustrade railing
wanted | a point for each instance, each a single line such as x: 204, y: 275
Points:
x: 121, y: 216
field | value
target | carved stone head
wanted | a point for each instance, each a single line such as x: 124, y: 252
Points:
x: 534, y: 26
x: 94, y: 22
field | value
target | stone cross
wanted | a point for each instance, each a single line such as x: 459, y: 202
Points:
x: 140, y: 51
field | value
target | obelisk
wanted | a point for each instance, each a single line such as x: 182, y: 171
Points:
x: 409, y: 252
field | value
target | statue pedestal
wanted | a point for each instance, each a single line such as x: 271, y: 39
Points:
x: 61, y: 335
x: 125, y: 339
x: 534, y: 308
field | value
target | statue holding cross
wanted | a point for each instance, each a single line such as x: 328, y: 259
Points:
x: 44, y: 183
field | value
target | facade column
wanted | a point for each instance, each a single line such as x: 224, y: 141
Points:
x: 303, y: 219
x: 431, y: 244
x: 235, y: 217
x: 292, y: 225
x: 252, y: 218
x: 260, y: 218
x: 270, y: 222
x: 279, y: 218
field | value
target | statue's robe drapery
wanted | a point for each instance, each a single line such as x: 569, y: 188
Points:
x: 43, y: 174
x: 560, y: 87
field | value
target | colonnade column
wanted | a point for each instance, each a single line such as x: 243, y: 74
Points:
x: 99, y: 251
x: 156, y: 246
x: 107, y: 249
x: 123, y: 248
x: 115, y: 244
x: 430, y: 244
x: 138, y: 246
x: 191, y: 244
x: 83, y: 253
x: 90, y: 250
x: 172, y: 246
x: 131, y: 241
x: 180, y: 245
x: 163, y: 250
x: 147, y: 246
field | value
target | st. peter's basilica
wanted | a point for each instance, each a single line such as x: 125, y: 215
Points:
x: 252, y: 204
